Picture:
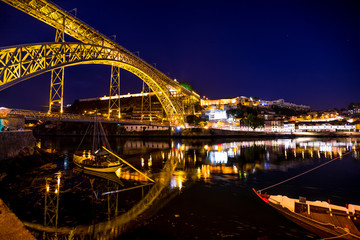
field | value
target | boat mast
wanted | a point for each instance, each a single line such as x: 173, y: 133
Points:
x: 103, y: 136
x: 98, y: 134
x: 94, y: 134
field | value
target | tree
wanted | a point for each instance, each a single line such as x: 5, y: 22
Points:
x: 254, y: 121
x: 195, y: 120
x: 187, y: 86
x: 235, y: 112
x: 353, y: 105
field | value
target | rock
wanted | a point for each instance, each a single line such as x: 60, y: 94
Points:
x: 26, y: 151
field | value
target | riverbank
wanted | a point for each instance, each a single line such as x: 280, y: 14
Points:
x: 118, y: 130
x: 29, y: 159
x: 10, y: 226
x: 198, y: 132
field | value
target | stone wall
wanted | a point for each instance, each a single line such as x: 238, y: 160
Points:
x: 13, y: 142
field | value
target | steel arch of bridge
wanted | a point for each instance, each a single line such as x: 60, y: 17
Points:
x: 25, y: 61
x: 22, y: 62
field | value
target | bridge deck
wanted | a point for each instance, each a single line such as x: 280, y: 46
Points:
x: 67, y: 117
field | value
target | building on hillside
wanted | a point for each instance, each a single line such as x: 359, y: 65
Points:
x: 326, y: 126
x: 357, y: 125
x: 354, y: 108
x: 289, y: 126
x: 274, y: 125
x: 320, y: 116
x: 220, y: 103
x: 229, y: 103
x: 250, y: 102
x: 282, y: 104
x: 141, y: 128
x: 130, y: 104
x: 214, y: 115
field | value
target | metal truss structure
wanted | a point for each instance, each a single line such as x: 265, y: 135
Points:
x: 57, y: 79
x: 51, y: 209
x: 23, y: 62
x: 114, y: 96
x: 146, y: 102
x: 68, y: 117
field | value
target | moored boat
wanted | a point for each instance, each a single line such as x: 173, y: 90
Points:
x: 104, y: 163
x: 98, y: 158
x: 319, y: 217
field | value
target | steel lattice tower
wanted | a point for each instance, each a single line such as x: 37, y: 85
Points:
x: 114, y: 95
x: 57, y: 76
x: 146, y: 102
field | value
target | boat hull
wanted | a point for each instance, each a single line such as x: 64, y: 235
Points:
x: 314, y: 217
x: 311, y: 225
x: 79, y: 161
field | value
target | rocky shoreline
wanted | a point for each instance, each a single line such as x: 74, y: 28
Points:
x: 10, y: 226
x: 18, y: 154
x: 14, y: 143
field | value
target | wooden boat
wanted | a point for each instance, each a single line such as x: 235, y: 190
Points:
x: 319, y: 217
x: 97, y: 159
x: 93, y: 162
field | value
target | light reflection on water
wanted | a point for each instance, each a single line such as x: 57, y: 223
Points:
x: 105, y: 197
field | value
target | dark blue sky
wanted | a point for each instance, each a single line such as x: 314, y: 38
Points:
x: 306, y: 52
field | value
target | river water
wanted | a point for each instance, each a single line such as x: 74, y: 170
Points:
x: 202, y: 190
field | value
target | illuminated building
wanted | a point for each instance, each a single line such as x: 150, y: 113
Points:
x: 354, y: 108
x: 219, y: 103
x: 326, y: 126
x: 251, y: 102
x: 215, y: 115
x: 131, y: 107
x: 274, y: 125
x: 140, y: 128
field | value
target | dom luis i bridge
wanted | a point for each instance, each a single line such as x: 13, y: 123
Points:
x: 23, y: 62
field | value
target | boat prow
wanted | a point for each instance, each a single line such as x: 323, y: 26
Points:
x: 319, y: 217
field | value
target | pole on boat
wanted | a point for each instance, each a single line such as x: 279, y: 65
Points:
x: 127, y: 163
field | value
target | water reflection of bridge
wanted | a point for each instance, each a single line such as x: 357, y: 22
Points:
x: 198, y: 162
x: 116, y: 224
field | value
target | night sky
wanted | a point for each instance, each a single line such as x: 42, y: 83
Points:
x: 306, y: 52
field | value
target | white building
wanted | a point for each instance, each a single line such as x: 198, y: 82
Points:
x: 329, y: 127
x: 140, y: 128
x: 215, y: 115
x: 289, y: 127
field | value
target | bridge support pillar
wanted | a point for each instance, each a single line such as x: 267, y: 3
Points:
x: 56, y: 89
x: 114, y: 96
x: 57, y: 79
x: 146, y: 102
